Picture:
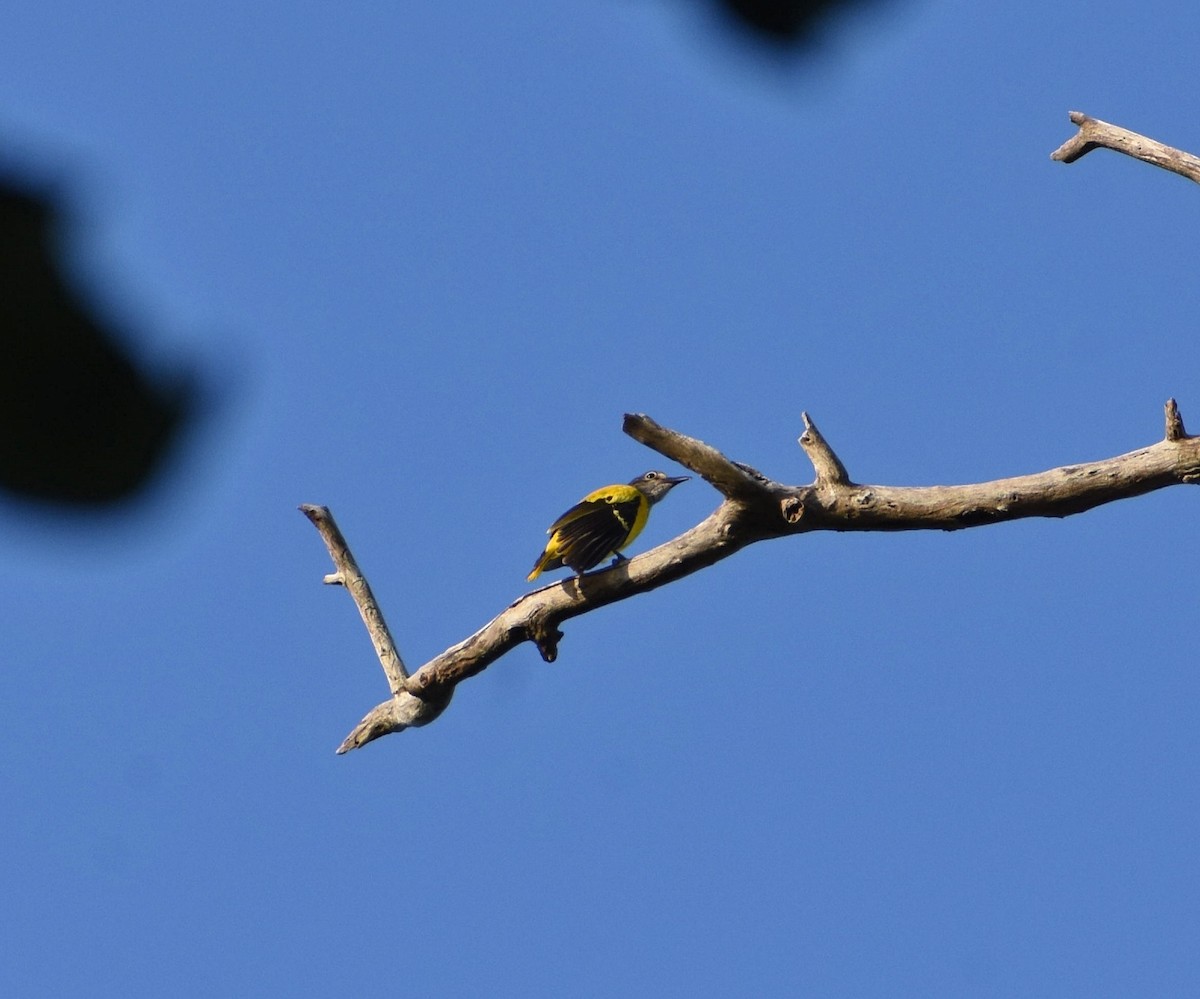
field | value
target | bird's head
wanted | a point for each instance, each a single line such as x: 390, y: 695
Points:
x: 655, y: 485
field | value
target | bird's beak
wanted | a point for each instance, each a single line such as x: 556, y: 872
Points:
x: 676, y: 479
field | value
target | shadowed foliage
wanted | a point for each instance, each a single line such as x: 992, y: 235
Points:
x: 83, y: 425
x: 786, y: 23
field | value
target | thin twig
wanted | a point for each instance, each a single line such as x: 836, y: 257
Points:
x: 727, y: 477
x: 404, y: 709
x: 350, y: 576
x: 826, y: 463
x: 1175, y: 430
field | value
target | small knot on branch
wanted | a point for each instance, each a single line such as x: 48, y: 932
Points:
x: 1175, y: 430
x: 829, y: 468
x: 546, y: 639
x: 792, y: 509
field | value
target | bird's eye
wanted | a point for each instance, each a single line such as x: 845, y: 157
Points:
x: 651, y: 475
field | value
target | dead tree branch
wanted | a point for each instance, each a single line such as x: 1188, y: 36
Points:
x: 404, y: 710
x: 1096, y: 134
x: 753, y: 508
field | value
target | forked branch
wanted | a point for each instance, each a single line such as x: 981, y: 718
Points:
x: 1096, y: 134
x: 753, y: 508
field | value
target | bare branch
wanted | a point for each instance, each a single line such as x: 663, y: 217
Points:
x: 1058, y: 492
x: 729, y: 478
x: 350, y: 576
x: 1175, y: 431
x: 404, y: 710
x: 1096, y: 134
x: 395, y: 715
x: 828, y: 466
x: 757, y: 509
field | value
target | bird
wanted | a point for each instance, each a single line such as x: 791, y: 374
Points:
x: 602, y: 523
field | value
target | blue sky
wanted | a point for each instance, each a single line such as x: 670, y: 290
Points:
x: 429, y: 257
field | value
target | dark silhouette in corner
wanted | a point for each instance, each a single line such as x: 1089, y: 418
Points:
x: 81, y: 426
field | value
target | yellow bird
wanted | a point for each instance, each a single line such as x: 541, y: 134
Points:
x: 602, y: 523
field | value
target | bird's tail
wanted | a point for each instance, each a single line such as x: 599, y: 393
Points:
x: 544, y: 562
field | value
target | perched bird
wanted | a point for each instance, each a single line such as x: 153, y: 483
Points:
x: 602, y: 523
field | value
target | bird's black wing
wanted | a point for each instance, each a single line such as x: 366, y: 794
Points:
x: 592, y: 530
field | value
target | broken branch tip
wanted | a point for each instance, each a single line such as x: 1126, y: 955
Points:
x: 1174, y: 421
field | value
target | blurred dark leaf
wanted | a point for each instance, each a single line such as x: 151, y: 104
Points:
x: 80, y: 423
x: 787, y: 23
